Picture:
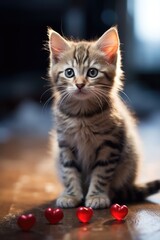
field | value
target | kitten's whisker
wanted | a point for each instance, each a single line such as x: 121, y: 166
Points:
x: 97, y: 96
x: 47, y: 102
x: 65, y: 95
x: 49, y: 99
x: 46, y: 91
x: 104, y: 86
x: 101, y: 94
x: 51, y: 90
x: 125, y: 96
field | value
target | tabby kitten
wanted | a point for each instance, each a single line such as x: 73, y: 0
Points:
x: 98, y: 152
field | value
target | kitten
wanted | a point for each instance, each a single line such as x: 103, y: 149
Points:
x: 98, y: 147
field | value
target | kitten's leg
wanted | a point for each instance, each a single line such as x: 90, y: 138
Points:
x: 102, y: 173
x: 71, y: 177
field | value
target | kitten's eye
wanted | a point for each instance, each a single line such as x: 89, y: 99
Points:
x: 69, y: 73
x: 92, y: 72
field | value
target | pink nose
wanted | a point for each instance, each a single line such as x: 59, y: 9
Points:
x: 80, y: 86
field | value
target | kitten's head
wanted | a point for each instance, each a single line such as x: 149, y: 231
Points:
x: 85, y: 75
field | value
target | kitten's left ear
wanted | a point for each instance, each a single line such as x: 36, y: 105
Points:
x: 108, y: 43
x: 57, y: 44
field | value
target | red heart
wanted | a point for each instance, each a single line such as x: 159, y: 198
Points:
x: 119, y: 212
x: 84, y: 214
x: 54, y: 215
x: 26, y: 222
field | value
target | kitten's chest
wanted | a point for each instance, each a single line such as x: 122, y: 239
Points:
x: 80, y: 133
x: 80, y: 136
x: 84, y: 136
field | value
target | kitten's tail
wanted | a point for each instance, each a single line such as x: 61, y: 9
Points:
x: 137, y: 193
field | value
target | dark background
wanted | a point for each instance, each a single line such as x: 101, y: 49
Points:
x: 24, y: 99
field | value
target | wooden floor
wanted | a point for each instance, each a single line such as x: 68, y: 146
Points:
x: 28, y: 185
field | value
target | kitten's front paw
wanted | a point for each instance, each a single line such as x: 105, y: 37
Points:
x: 97, y: 201
x: 68, y: 201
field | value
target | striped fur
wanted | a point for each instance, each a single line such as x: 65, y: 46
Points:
x: 98, y: 146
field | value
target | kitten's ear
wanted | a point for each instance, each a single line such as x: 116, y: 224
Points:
x: 108, y: 43
x: 57, y: 44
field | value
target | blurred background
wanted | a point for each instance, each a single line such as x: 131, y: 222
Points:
x: 25, y: 101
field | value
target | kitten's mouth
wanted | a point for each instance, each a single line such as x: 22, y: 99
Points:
x: 79, y: 93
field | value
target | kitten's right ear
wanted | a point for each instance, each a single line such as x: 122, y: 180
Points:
x: 108, y: 43
x: 57, y: 44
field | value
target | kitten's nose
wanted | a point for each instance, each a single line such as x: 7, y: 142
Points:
x: 80, y: 85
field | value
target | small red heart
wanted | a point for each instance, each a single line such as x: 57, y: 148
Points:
x: 54, y: 215
x: 84, y: 214
x: 119, y: 212
x: 26, y: 222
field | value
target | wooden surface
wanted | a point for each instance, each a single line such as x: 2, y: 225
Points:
x: 28, y: 185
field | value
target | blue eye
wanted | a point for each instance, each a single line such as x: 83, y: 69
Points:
x: 92, y: 72
x: 69, y: 73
